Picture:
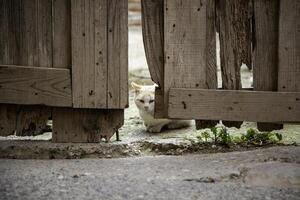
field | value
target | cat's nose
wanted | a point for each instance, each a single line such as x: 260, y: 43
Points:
x: 146, y: 107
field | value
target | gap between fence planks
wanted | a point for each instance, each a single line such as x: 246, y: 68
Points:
x: 35, y: 85
x: 234, y: 105
x: 235, y: 43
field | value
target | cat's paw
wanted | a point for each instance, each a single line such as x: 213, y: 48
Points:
x: 154, y: 129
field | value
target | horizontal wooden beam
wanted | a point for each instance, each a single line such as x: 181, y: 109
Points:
x: 35, y: 86
x: 234, y: 105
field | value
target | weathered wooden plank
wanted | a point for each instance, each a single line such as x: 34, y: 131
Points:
x: 44, y: 32
x: 89, y: 54
x: 29, y: 55
x: 101, y: 51
x: 114, y: 50
x: 86, y: 125
x: 124, y: 97
x: 78, y: 51
x: 235, y: 45
x: 289, y: 46
x: 234, y: 105
x: 184, y: 45
x: 211, y: 65
x: 61, y: 33
x: 265, y: 56
x: 153, y: 37
x: 35, y: 85
x: 23, y: 49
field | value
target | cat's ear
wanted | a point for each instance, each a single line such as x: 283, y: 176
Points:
x: 136, y: 87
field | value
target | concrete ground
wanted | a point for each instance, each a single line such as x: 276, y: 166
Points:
x: 272, y: 173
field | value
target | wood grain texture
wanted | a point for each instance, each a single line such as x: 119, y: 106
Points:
x: 211, y: 66
x: 89, y: 125
x: 124, y: 97
x: 153, y: 37
x: 35, y: 85
x: 8, y: 54
x: 184, y: 45
x: 99, y: 53
x: 44, y: 32
x: 29, y: 44
x: 61, y: 33
x: 289, y: 46
x: 117, y: 49
x: 234, y: 105
x: 86, y: 94
x: 235, y: 44
x: 86, y: 125
x: 265, y: 55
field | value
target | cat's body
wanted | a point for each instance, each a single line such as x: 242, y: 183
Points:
x: 144, y: 100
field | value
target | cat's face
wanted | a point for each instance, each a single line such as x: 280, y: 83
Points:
x: 144, y: 97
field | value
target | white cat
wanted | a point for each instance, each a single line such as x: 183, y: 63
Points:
x: 144, y: 100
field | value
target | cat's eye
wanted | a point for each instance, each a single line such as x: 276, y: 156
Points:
x: 151, y: 101
x: 142, y: 101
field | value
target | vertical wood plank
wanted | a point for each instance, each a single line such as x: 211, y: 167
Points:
x: 124, y: 97
x: 44, y: 32
x: 78, y: 51
x: 184, y: 45
x: 61, y: 33
x: 234, y: 43
x: 29, y: 55
x: 89, y: 60
x: 265, y: 57
x: 153, y: 37
x: 211, y: 65
x: 114, y: 51
x: 101, y: 51
x: 289, y: 46
x: 85, y: 125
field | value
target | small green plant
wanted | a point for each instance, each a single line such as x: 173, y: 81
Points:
x: 254, y: 137
x: 205, y: 135
x: 224, y: 137
x: 221, y: 136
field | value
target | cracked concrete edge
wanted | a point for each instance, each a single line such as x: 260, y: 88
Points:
x: 47, y: 150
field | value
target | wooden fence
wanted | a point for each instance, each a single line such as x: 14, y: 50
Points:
x: 180, y: 44
x: 65, y: 60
